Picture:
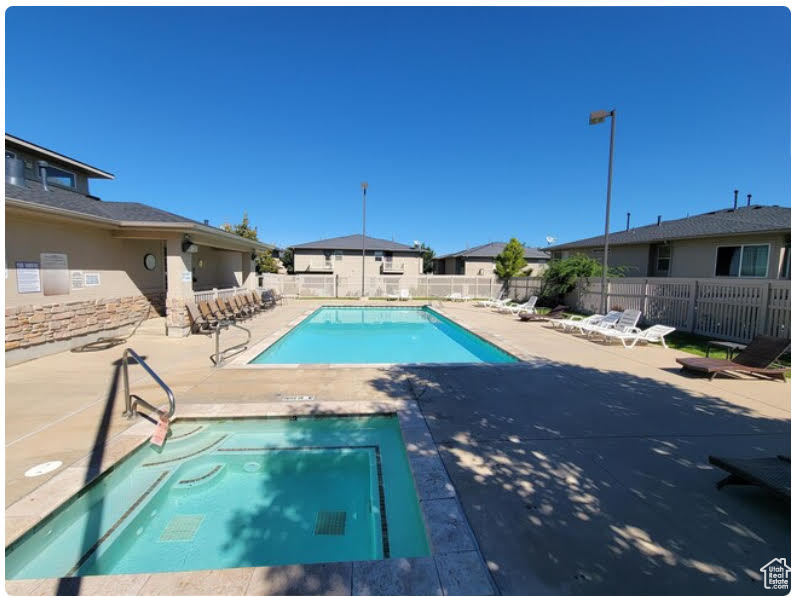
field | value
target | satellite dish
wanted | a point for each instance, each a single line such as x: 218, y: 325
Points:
x: 550, y: 239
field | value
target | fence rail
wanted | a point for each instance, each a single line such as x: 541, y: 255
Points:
x: 213, y: 293
x: 726, y: 309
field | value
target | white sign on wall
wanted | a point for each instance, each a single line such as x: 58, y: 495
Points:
x: 186, y: 277
x: 28, y: 279
x: 91, y: 279
x: 77, y: 280
x: 55, y: 274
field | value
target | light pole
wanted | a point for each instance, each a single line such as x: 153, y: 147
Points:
x: 363, y: 235
x: 597, y: 118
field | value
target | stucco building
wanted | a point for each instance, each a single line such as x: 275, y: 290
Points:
x: 78, y: 266
x: 342, y: 256
x: 479, y: 261
x: 752, y: 241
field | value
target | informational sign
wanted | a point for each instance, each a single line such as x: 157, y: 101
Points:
x: 28, y: 279
x: 186, y: 277
x: 77, y: 280
x: 55, y: 274
x: 91, y: 279
x: 160, y: 434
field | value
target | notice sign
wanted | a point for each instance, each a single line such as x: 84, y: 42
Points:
x: 160, y: 434
x: 28, y: 279
x: 91, y: 279
x: 55, y: 274
x: 186, y: 276
x: 77, y: 280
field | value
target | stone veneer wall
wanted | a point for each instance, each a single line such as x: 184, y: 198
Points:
x: 29, y: 325
x: 177, y: 316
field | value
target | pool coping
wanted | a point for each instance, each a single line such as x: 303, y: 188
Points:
x: 455, y: 554
x: 242, y: 360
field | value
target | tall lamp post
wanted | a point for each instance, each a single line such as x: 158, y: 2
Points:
x: 363, y: 235
x: 596, y: 118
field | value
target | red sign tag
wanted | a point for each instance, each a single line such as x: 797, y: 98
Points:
x: 160, y: 434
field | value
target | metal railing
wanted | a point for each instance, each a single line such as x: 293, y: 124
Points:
x: 219, y: 356
x: 132, y: 400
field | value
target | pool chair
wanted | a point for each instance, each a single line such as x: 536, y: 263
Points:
x: 493, y: 302
x: 228, y: 310
x: 453, y: 296
x: 625, y: 323
x: 528, y: 306
x: 243, y: 305
x: 772, y: 473
x: 754, y: 360
x: 655, y: 333
x: 263, y: 298
x: 593, y: 321
x: 200, y: 324
x: 274, y: 296
x: 210, y: 312
x: 256, y: 307
x: 554, y: 314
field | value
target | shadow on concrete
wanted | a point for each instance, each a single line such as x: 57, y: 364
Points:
x: 92, y: 530
x: 577, y: 480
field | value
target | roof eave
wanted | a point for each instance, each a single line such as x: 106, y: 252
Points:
x: 611, y: 243
x: 94, y: 172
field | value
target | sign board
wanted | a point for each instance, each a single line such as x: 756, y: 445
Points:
x: 91, y: 279
x: 77, y: 280
x: 55, y: 274
x: 186, y: 277
x: 28, y: 279
x: 160, y: 434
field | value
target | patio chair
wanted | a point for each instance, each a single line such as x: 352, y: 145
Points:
x: 624, y: 324
x: 258, y: 297
x: 754, y: 360
x: 243, y: 305
x: 211, y: 312
x: 655, y: 333
x: 514, y: 309
x: 773, y: 474
x: 227, y: 309
x: 593, y: 321
x: 453, y: 296
x: 498, y: 300
x: 554, y: 314
x: 200, y: 324
x: 275, y: 296
x: 256, y: 306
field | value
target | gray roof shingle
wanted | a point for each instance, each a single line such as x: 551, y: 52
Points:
x: 493, y: 249
x: 353, y: 242
x: 722, y: 222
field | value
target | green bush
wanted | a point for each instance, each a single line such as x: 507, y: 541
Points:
x: 562, y: 276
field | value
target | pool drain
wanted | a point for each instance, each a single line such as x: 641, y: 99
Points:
x: 251, y: 467
x: 330, y: 523
x: 43, y: 469
x: 181, y: 528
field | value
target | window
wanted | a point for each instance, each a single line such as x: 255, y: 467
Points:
x: 60, y: 177
x: 748, y: 261
x: 389, y: 257
x: 378, y: 255
x: 10, y: 154
x: 327, y: 257
x: 337, y: 255
x: 663, y: 258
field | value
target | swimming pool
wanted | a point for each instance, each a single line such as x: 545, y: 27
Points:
x: 237, y: 493
x: 380, y: 335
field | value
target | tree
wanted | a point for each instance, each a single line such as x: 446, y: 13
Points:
x: 265, y: 263
x: 563, y: 275
x: 511, y: 261
x: 288, y: 260
x: 427, y: 259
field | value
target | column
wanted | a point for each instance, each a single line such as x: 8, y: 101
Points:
x: 179, y: 287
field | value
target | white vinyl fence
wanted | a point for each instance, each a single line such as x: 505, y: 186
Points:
x: 728, y: 309
x: 336, y: 286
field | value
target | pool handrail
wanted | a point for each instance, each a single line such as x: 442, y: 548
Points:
x: 131, y: 400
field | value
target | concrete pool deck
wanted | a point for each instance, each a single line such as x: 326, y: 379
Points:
x: 581, y: 471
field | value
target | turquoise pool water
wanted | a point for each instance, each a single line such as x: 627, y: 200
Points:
x: 380, y: 335
x: 229, y: 493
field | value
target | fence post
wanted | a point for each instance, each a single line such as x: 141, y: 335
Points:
x: 336, y: 285
x: 763, y: 310
x: 643, y: 301
x: 690, y: 316
x: 216, y: 293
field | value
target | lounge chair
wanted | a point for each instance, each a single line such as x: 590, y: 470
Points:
x: 453, y: 296
x: 251, y: 302
x: 754, y: 360
x: 259, y: 298
x: 243, y: 305
x: 773, y: 474
x: 627, y: 321
x: 493, y: 302
x: 210, y: 313
x: 274, y: 296
x: 200, y: 324
x: 593, y: 321
x: 655, y: 333
x: 227, y: 310
x: 514, y: 309
x: 554, y: 314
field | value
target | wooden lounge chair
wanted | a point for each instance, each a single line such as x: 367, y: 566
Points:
x: 554, y: 313
x: 754, y: 360
x: 773, y: 474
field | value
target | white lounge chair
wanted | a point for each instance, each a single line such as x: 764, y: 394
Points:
x: 528, y: 306
x: 609, y: 318
x: 493, y: 302
x: 626, y: 322
x: 404, y: 296
x: 453, y: 296
x: 655, y: 333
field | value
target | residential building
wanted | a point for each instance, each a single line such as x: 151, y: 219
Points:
x: 479, y: 261
x: 78, y: 266
x: 753, y: 241
x: 342, y: 256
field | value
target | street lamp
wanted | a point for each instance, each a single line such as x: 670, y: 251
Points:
x: 596, y: 118
x: 363, y: 234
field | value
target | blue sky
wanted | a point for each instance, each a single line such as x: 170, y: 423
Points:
x: 470, y: 124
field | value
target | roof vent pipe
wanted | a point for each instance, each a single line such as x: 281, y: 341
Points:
x: 43, y: 173
x: 628, y: 223
x: 735, y: 198
x: 205, y: 222
x: 15, y: 171
x: 658, y: 222
x: 749, y: 197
